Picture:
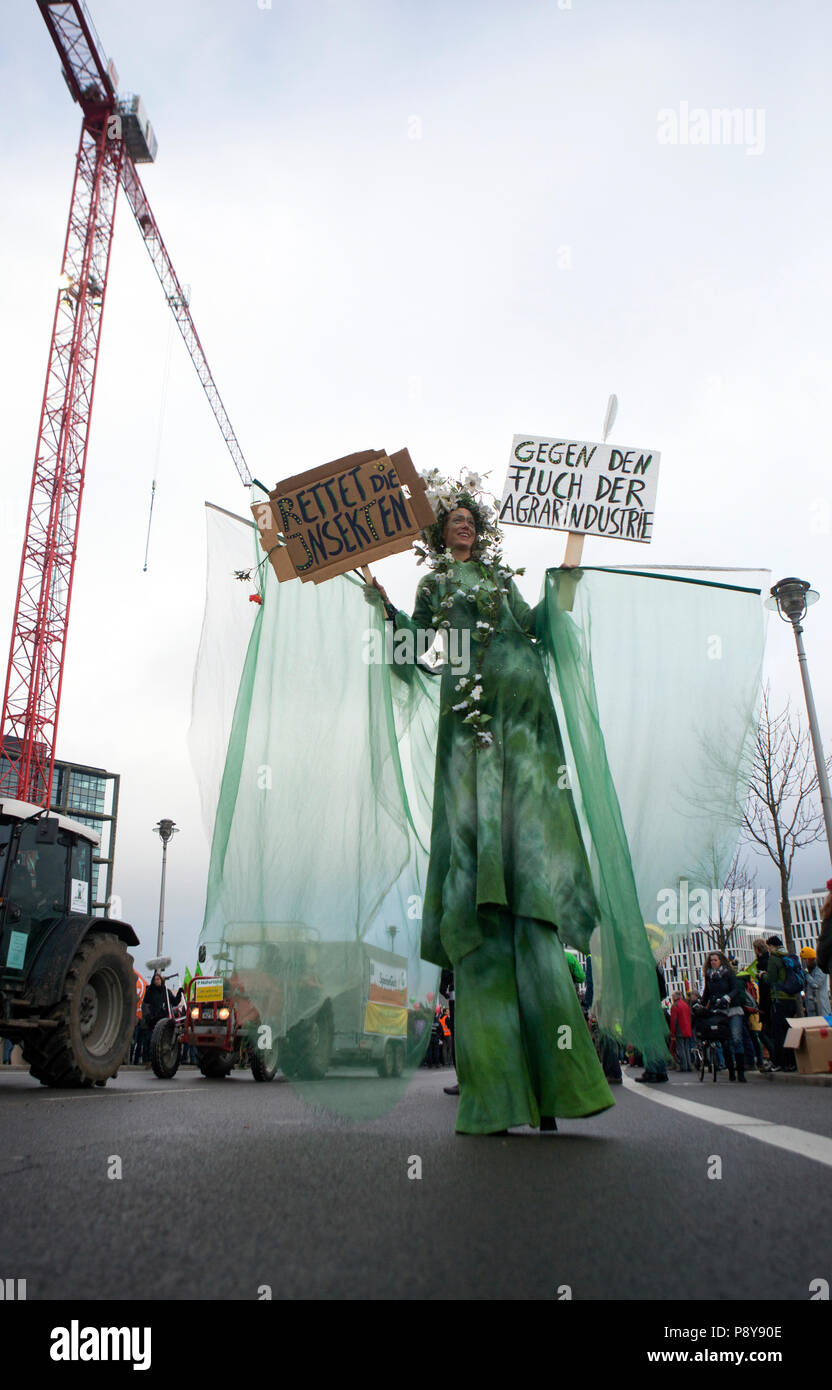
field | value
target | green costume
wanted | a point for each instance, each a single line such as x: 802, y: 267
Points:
x: 507, y: 866
x: 317, y: 748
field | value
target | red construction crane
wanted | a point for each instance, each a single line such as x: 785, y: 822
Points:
x: 115, y: 137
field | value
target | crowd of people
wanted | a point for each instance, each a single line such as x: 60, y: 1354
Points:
x: 753, y: 1005
x: 755, y: 1001
x: 758, y: 1000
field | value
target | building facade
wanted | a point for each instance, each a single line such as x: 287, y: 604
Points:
x: 86, y: 794
x: 687, y: 962
x: 805, y: 913
x: 90, y: 795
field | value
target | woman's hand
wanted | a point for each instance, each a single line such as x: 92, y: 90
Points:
x: 374, y: 592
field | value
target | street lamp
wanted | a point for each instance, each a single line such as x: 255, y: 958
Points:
x: 791, y: 598
x: 166, y: 829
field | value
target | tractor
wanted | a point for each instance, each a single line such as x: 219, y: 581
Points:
x: 67, y: 985
x: 223, y: 1026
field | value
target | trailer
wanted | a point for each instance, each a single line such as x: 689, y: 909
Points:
x: 325, y: 1003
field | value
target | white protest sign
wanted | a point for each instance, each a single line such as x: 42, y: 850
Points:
x: 575, y: 485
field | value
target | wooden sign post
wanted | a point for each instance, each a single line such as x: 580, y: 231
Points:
x: 575, y: 540
x: 342, y: 515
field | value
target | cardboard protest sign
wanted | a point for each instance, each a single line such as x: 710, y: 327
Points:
x: 343, y: 514
x: 574, y: 485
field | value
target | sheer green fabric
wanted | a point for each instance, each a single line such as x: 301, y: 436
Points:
x: 318, y: 846
x: 657, y: 678
x: 319, y: 884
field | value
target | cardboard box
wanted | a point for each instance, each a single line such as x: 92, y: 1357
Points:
x: 811, y: 1039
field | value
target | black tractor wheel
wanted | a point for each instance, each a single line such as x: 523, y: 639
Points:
x: 95, y: 1017
x: 387, y: 1065
x: 264, y: 1061
x: 165, y: 1049
x: 214, y: 1065
x: 307, y: 1052
x: 398, y: 1058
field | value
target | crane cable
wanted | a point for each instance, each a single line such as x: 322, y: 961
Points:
x: 162, y: 408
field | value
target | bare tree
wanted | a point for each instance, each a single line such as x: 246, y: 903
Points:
x: 779, y: 815
x: 731, y: 906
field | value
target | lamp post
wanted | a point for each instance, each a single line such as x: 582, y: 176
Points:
x: 791, y: 598
x: 166, y: 829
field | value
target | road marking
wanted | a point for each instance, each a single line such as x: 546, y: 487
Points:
x: 798, y: 1141
x: 88, y: 1093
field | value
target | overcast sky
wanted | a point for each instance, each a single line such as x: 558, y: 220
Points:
x: 429, y: 224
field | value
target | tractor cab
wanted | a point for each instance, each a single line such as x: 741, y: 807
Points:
x: 45, y: 874
x: 67, y: 988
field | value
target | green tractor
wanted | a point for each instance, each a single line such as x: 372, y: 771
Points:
x: 67, y: 985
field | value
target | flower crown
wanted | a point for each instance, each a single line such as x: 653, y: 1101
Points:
x: 445, y: 496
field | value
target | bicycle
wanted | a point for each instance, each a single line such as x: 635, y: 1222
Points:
x: 711, y: 1030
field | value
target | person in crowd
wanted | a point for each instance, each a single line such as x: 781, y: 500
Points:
x: 817, y: 984
x: 607, y: 1050
x: 753, y: 1022
x: 723, y: 993
x: 137, y: 1046
x: 576, y: 970
x: 681, y: 1031
x: 446, y: 987
x: 759, y: 967
x: 445, y: 1040
x: 824, y: 944
x: 657, y: 1071
x: 785, y: 1003
x: 434, y: 1053
x: 158, y: 999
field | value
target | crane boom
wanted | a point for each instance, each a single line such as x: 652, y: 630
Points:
x: 178, y: 301
x: 88, y: 75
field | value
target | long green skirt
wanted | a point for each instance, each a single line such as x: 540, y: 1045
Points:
x: 522, y: 1044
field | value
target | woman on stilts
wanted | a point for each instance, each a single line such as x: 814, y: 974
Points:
x: 507, y: 866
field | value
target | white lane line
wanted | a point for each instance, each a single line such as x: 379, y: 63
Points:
x: 89, y: 1093
x: 798, y: 1141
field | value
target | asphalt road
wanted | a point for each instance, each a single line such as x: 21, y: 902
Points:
x: 227, y: 1187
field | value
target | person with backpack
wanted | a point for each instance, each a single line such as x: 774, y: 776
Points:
x: 758, y: 968
x: 786, y: 981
